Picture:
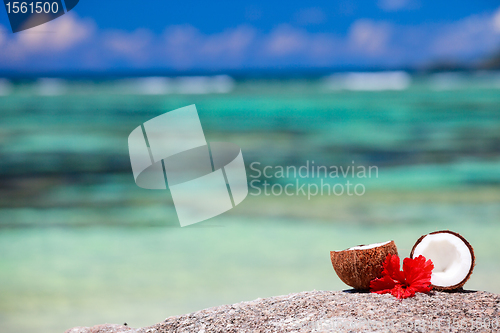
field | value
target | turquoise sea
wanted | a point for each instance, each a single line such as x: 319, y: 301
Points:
x: 81, y: 244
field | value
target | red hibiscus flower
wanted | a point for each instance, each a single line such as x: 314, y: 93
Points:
x: 415, y: 277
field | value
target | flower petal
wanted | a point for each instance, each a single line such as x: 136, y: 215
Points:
x: 415, y: 277
x: 392, y: 268
x: 418, y: 273
x: 383, y: 285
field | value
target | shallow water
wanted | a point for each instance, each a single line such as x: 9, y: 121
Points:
x: 56, y: 278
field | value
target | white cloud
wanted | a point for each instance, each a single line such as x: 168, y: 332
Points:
x: 231, y: 42
x: 3, y: 35
x: 185, y: 46
x: 181, y: 35
x: 369, y: 37
x: 326, y: 47
x: 74, y: 42
x: 496, y: 20
x: 180, y: 45
x: 59, y: 34
x: 469, y: 37
x: 51, y: 40
x: 134, y: 46
x: 286, y: 40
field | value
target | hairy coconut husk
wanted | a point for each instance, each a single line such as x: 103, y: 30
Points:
x: 357, y: 267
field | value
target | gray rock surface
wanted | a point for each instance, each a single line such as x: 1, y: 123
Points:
x: 336, y: 311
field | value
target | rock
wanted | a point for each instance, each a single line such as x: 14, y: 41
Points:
x: 106, y: 328
x: 336, y: 311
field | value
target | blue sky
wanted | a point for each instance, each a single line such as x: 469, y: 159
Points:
x: 229, y: 35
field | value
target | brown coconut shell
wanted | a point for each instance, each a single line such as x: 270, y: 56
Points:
x: 357, y: 268
x: 473, y: 264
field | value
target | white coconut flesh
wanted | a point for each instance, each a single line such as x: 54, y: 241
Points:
x: 366, y: 247
x: 451, y: 257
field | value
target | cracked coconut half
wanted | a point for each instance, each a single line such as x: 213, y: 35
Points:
x: 452, y: 255
x: 358, y: 265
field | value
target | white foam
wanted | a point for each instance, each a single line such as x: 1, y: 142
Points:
x: 379, y: 81
x: 219, y: 84
x: 188, y: 85
x: 51, y: 87
x: 5, y: 87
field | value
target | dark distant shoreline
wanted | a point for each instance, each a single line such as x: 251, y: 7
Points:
x: 241, y: 74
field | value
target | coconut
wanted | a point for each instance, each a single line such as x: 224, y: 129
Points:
x: 358, y: 265
x: 452, y: 256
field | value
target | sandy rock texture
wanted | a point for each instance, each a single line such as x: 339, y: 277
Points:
x: 336, y: 311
